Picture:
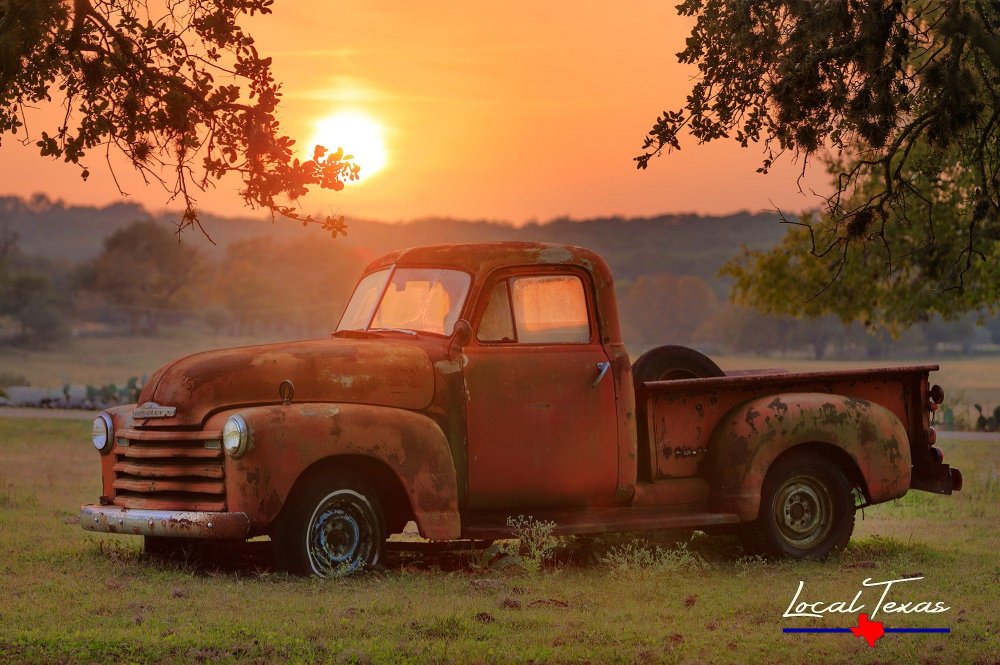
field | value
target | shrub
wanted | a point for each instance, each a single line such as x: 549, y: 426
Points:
x: 639, y: 557
x: 535, y: 543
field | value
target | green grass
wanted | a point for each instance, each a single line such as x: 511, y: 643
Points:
x: 76, y: 597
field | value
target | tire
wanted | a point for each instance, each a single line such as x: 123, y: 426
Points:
x: 669, y: 363
x: 333, y: 526
x: 806, y: 510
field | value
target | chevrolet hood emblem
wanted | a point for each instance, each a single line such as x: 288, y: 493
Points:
x: 154, y: 410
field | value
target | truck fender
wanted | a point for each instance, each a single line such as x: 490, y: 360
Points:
x: 288, y: 440
x: 752, y: 435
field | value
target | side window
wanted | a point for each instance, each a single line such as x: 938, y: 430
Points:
x: 496, y: 325
x: 550, y: 309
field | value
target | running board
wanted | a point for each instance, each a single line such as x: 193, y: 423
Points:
x: 592, y: 520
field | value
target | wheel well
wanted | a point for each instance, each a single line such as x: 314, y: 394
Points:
x: 391, y: 492
x: 834, y: 454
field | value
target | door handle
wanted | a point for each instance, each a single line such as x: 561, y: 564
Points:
x: 602, y: 369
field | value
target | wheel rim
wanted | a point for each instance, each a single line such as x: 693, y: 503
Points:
x: 342, y: 534
x: 803, y: 511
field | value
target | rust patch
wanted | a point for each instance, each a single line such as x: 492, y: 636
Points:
x: 387, y: 373
x: 778, y: 406
x: 411, y: 446
x: 740, y: 454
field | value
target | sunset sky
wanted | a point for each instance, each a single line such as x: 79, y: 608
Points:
x: 510, y: 111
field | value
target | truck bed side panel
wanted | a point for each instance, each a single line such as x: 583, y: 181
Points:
x: 680, y: 416
x: 755, y: 433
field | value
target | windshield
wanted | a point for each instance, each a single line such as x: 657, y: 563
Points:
x: 418, y: 299
x: 359, y: 309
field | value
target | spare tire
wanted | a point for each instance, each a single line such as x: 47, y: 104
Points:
x: 669, y: 363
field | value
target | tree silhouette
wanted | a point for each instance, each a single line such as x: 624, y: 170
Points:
x: 900, y: 98
x: 177, y: 87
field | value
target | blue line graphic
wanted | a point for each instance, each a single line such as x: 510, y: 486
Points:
x: 847, y: 630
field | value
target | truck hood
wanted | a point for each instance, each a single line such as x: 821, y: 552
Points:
x: 380, y: 372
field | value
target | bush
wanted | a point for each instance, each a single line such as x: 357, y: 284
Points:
x: 534, y: 546
x: 638, y: 557
x: 8, y: 379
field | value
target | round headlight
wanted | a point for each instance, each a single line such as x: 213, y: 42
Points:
x: 102, y: 432
x: 235, y: 436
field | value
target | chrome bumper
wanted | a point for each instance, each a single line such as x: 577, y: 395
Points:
x: 170, y: 523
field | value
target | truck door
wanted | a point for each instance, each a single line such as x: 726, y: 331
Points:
x: 542, y: 420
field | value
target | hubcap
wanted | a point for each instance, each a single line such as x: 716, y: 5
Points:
x: 803, y: 511
x: 342, y: 533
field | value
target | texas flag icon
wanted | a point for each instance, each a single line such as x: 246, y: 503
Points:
x: 871, y: 631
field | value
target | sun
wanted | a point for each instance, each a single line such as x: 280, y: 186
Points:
x: 358, y: 134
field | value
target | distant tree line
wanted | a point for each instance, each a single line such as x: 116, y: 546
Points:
x: 144, y: 282
x: 34, y: 294
x: 665, y: 308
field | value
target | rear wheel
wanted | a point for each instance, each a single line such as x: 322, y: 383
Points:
x: 669, y: 363
x: 332, y: 527
x: 806, y: 510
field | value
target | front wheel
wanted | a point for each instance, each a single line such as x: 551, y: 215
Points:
x: 332, y: 527
x: 806, y: 510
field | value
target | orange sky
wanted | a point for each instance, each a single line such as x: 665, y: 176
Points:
x: 513, y: 110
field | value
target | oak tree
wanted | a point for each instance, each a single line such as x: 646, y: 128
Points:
x: 144, y: 274
x: 797, y: 278
x: 176, y: 86
x: 901, y: 100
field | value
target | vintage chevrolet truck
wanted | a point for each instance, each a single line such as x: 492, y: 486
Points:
x: 468, y: 383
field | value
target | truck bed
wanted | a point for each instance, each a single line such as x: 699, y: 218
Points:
x: 677, y: 418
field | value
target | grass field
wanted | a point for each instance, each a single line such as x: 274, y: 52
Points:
x: 103, y: 360
x: 71, y: 596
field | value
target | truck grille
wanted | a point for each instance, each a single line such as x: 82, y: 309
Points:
x: 158, y: 470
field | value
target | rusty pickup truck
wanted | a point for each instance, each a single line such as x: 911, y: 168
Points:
x: 468, y: 383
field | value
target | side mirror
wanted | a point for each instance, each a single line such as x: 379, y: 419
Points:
x: 461, y: 336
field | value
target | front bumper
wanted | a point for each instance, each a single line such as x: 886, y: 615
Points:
x: 169, y: 523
